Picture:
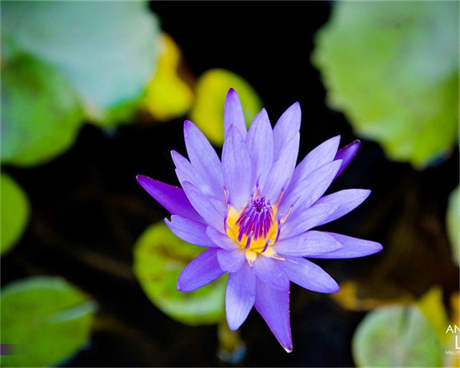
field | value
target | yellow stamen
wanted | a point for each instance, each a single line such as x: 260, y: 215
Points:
x: 252, y: 245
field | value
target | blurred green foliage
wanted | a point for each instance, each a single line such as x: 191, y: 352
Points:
x: 396, y: 337
x: 14, y: 209
x: 404, y: 336
x: 63, y: 62
x: 46, y: 319
x: 208, y: 110
x: 392, y: 68
x: 453, y: 223
x: 106, y: 52
x: 159, y: 257
x: 41, y: 112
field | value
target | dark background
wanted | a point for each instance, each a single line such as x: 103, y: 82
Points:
x: 88, y: 209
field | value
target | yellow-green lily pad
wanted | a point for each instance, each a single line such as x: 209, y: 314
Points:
x: 208, y: 109
x: 159, y: 257
x: 41, y: 112
x: 396, y: 336
x: 45, y: 321
x: 392, y: 68
x: 14, y: 212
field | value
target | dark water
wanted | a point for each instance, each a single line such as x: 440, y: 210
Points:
x: 88, y: 209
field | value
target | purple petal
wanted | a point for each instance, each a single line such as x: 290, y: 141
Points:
x: 211, y: 210
x: 204, y: 159
x: 184, y: 167
x: 273, y: 306
x: 305, y: 220
x: 230, y: 261
x: 308, y: 244
x: 233, y: 114
x: 351, y: 247
x: 170, y: 197
x: 186, y: 172
x: 287, y: 126
x: 346, y: 154
x: 343, y: 201
x: 311, y: 188
x: 281, y: 172
x: 236, y: 165
x: 319, y: 156
x: 308, y: 275
x: 260, y: 147
x: 268, y: 271
x: 190, y: 231
x: 220, y: 239
x: 240, y: 296
x: 200, y: 272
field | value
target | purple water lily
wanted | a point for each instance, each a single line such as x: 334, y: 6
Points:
x: 254, y: 211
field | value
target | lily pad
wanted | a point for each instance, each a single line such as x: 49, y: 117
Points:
x: 392, y: 68
x: 106, y: 50
x: 396, y: 337
x: 45, y: 320
x: 453, y: 221
x: 208, y: 110
x: 168, y: 95
x: 15, y: 212
x: 159, y: 257
x: 41, y: 112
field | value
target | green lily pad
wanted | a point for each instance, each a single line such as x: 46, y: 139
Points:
x: 453, y: 221
x: 106, y: 50
x: 41, y: 112
x: 392, y: 68
x: 208, y: 110
x: 159, y: 257
x: 45, y: 320
x: 396, y: 337
x: 15, y: 212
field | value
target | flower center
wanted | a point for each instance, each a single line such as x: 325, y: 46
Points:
x: 255, y: 229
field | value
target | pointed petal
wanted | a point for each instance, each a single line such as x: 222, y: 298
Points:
x: 204, y: 159
x: 185, y: 168
x: 282, y: 169
x: 319, y: 156
x: 240, y: 296
x: 351, y: 247
x: 347, y: 153
x: 309, y: 275
x: 230, y: 261
x: 186, y: 172
x: 343, y: 201
x: 268, y: 271
x: 273, y: 306
x: 310, y: 243
x: 190, y: 231
x: 236, y: 165
x: 306, y: 220
x: 233, y: 114
x: 310, y: 189
x: 212, y: 211
x: 200, y: 272
x: 170, y: 197
x: 220, y: 239
x: 260, y: 147
x: 287, y: 126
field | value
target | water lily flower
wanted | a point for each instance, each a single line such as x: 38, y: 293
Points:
x: 254, y: 211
